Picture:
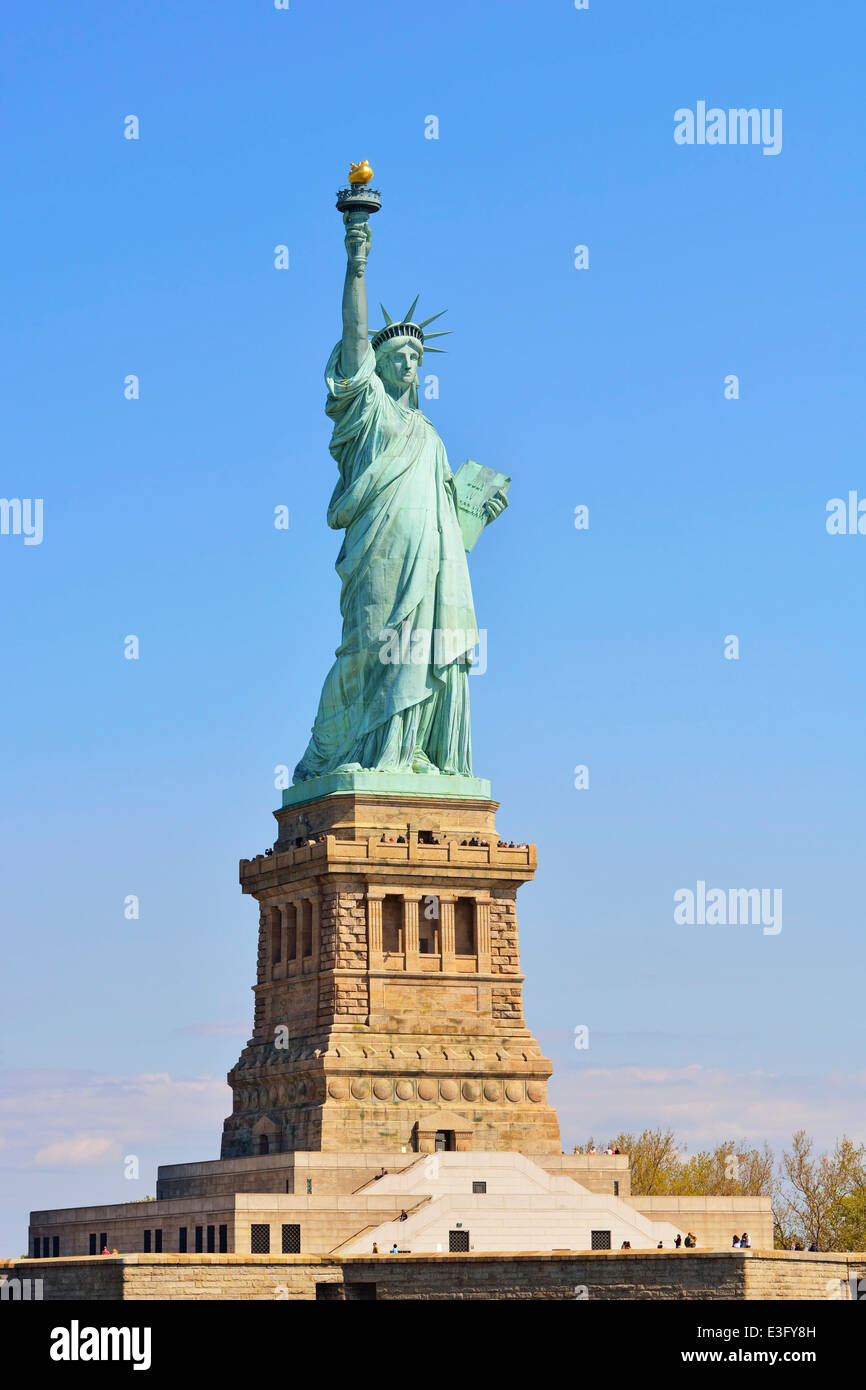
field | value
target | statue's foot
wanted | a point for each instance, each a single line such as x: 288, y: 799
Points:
x: 421, y: 763
x: 349, y: 767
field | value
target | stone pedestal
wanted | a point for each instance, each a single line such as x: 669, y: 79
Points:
x: 388, y: 1009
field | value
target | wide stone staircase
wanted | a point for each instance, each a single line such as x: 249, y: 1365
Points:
x: 501, y: 1201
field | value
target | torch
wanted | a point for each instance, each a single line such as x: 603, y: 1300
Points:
x: 358, y: 201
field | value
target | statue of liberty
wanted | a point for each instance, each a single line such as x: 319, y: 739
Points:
x: 396, y: 699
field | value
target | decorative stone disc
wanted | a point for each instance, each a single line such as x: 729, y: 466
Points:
x: 360, y: 1088
x: 405, y: 1090
x: 338, y: 1088
x: 514, y: 1090
x: 492, y: 1091
x: 472, y: 1090
x: 383, y: 1089
x: 449, y: 1090
x: 427, y: 1089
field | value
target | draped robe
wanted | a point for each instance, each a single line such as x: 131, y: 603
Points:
x: 396, y: 697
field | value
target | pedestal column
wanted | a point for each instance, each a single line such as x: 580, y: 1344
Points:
x: 446, y: 931
x: 410, y: 931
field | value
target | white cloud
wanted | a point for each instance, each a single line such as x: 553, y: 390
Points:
x: 66, y: 1135
x: 79, y: 1118
x: 78, y: 1152
x: 705, y: 1105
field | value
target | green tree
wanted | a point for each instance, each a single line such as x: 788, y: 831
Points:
x: 817, y: 1199
x: 820, y: 1199
x: 849, y: 1221
x: 654, y: 1160
x: 728, y: 1170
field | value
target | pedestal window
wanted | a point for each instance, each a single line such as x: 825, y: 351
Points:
x: 392, y: 924
x: 464, y: 927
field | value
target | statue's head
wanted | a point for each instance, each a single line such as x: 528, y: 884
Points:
x: 399, y: 348
x: 397, y: 363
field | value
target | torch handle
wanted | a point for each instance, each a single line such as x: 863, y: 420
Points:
x: 356, y: 246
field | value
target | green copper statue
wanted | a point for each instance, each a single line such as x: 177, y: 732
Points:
x: 396, y: 699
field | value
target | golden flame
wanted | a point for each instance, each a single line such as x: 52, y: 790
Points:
x: 360, y: 172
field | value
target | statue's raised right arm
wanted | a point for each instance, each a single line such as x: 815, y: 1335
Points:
x: 355, y: 338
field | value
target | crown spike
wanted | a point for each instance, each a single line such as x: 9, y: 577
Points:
x: 395, y: 328
x: 428, y: 349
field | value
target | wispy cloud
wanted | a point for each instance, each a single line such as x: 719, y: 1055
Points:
x: 82, y: 1150
x: 79, y: 1118
x: 705, y: 1105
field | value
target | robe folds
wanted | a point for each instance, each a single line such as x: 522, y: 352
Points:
x: 396, y: 697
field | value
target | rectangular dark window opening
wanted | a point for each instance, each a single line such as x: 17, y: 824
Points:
x: 157, y: 1241
x: 260, y: 1238
x: 55, y: 1242
x: 223, y: 1240
x: 479, y: 1187
x: 92, y: 1240
x: 392, y: 923
x: 199, y: 1231
x: 428, y: 929
x: 291, y: 1240
x: 458, y: 1241
x: 601, y: 1240
x: 464, y: 927
x: 181, y: 1240
x: 146, y: 1246
x: 211, y: 1239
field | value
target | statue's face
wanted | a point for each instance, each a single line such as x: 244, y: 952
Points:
x: 399, y: 367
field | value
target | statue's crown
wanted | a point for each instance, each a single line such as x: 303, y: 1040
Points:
x: 405, y: 328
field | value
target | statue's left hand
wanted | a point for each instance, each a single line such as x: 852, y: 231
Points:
x: 495, y: 506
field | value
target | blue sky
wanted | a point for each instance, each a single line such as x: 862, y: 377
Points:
x: 602, y: 387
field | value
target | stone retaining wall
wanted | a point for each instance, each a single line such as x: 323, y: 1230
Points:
x: 728, y: 1275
